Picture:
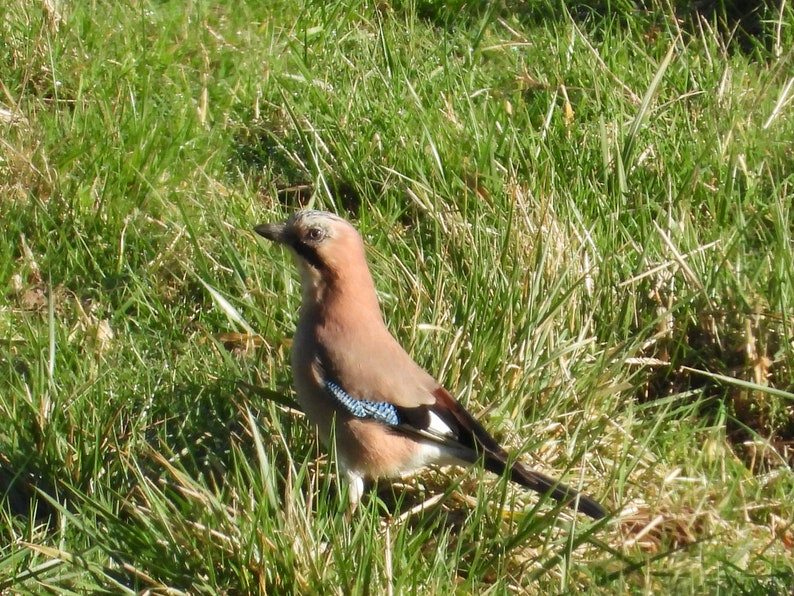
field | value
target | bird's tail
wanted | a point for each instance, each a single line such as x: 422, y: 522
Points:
x: 546, y: 486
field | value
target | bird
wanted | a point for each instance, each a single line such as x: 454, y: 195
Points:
x: 385, y: 415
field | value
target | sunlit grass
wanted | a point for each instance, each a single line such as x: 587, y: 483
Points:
x: 579, y: 221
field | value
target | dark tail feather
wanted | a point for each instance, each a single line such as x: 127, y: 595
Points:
x: 546, y: 485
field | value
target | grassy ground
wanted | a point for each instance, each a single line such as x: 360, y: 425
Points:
x: 580, y: 220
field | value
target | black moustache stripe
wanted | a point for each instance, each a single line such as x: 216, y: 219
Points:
x: 309, y: 254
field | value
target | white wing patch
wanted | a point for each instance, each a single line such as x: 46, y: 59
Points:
x: 440, y: 445
x: 438, y: 428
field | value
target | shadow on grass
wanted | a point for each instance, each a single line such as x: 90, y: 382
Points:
x: 741, y: 24
x: 746, y: 346
x: 21, y: 486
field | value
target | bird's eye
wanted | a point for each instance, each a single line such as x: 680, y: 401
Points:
x: 314, y: 234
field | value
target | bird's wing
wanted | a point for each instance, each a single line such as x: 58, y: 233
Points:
x: 447, y: 423
x: 443, y: 420
x: 380, y: 411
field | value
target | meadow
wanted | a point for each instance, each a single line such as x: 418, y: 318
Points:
x: 579, y: 217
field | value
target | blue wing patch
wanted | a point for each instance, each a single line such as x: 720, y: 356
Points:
x: 361, y: 408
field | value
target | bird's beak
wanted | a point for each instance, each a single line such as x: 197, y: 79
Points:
x: 275, y: 232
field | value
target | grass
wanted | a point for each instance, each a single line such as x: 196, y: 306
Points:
x: 580, y: 220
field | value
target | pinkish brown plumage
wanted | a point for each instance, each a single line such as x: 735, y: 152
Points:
x: 390, y: 417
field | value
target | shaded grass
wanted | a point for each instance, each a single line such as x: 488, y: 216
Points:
x: 567, y: 218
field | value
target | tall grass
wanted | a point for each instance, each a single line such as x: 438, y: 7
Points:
x: 579, y: 220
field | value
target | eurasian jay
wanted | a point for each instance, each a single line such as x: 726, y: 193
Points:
x: 389, y: 417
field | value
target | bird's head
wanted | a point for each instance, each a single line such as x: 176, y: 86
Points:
x: 327, y: 249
